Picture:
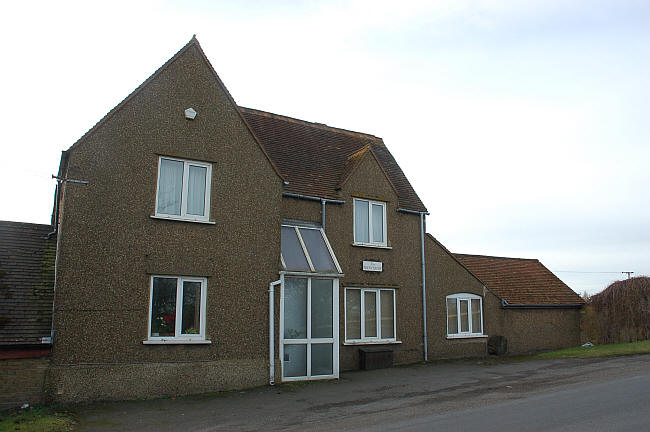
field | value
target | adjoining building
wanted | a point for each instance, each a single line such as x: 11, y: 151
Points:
x: 26, y: 291
x: 537, y: 310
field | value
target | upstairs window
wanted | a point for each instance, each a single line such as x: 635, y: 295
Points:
x: 183, y: 189
x: 369, y: 222
x: 464, y: 315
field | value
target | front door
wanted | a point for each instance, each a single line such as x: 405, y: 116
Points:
x: 309, y: 330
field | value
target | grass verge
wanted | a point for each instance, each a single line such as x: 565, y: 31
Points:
x: 610, y: 350
x: 36, y: 419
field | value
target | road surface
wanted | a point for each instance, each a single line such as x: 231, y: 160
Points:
x: 611, y: 394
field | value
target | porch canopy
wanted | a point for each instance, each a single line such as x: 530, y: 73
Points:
x: 305, y: 249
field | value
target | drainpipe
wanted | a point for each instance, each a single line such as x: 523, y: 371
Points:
x: 272, y: 332
x: 322, y: 213
x: 424, y: 278
x: 424, y: 289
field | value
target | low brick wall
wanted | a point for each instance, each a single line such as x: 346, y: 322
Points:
x: 21, y: 381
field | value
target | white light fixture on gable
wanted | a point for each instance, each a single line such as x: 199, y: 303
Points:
x: 190, y: 113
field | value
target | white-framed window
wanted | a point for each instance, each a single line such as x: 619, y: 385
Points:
x: 183, y: 189
x: 464, y: 315
x: 177, y: 308
x: 369, y: 222
x: 370, y: 314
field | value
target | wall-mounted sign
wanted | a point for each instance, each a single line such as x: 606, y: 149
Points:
x: 373, y: 266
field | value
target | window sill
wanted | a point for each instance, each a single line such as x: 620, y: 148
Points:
x: 373, y: 342
x: 182, y: 219
x: 467, y: 336
x: 176, y: 342
x: 375, y: 246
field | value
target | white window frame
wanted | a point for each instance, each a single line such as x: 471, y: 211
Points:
x: 178, y: 337
x: 208, y: 183
x: 309, y: 341
x: 470, y: 333
x: 371, y: 339
x: 354, y: 221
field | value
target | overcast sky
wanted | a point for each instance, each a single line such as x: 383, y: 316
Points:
x: 523, y: 125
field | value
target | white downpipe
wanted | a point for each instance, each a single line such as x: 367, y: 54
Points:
x: 272, y: 331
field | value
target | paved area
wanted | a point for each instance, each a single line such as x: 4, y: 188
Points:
x: 571, y: 394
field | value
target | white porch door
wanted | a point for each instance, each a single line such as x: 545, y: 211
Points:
x: 309, y: 328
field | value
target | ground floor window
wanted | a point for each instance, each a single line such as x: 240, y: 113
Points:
x: 464, y: 315
x: 177, y: 308
x: 369, y: 314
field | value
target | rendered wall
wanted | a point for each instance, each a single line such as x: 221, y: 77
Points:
x: 446, y: 276
x: 530, y: 330
x: 110, y: 246
x: 401, y: 263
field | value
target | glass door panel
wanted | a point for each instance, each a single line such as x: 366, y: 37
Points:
x: 295, y: 308
x: 295, y: 360
x: 309, y: 333
x: 321, y: 359
x: 321, y: 308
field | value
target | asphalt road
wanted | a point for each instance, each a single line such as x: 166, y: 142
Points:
x: 552, y: 395
x: 617, y: 405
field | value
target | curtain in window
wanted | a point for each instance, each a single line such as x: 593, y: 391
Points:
x: 452, y: 316
x: 377, y: 223
x: 191, y: 320
x: 370, y: 305
x: 353, y: 313
x: 170, y: 185
x: 476, y: 316
x: 464, y: 315
x: 196, y: 190
x: 387, y: 319
x: 361, y: 228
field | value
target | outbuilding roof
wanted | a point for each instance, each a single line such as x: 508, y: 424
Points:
x: 520, y: 281
x: 316, y: 159
x: 26, y: 282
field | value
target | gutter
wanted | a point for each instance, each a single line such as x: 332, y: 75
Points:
x: 323, y: 202
x: 312, y: 198
x: 506, y: 305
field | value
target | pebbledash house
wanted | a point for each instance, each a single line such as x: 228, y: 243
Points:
x: 203, y: 246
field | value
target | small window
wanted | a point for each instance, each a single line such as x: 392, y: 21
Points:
x: 183, y: 189
x: 369, y: 222
x: 464, y: 315
x: 369, y: 314
x: 177, y: 308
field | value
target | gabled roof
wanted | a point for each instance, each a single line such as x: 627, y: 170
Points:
x: 520, y: 281
x: 453, y: 256
x: 316, y: 159
x: 193, y: 43
x: 26, y: 282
